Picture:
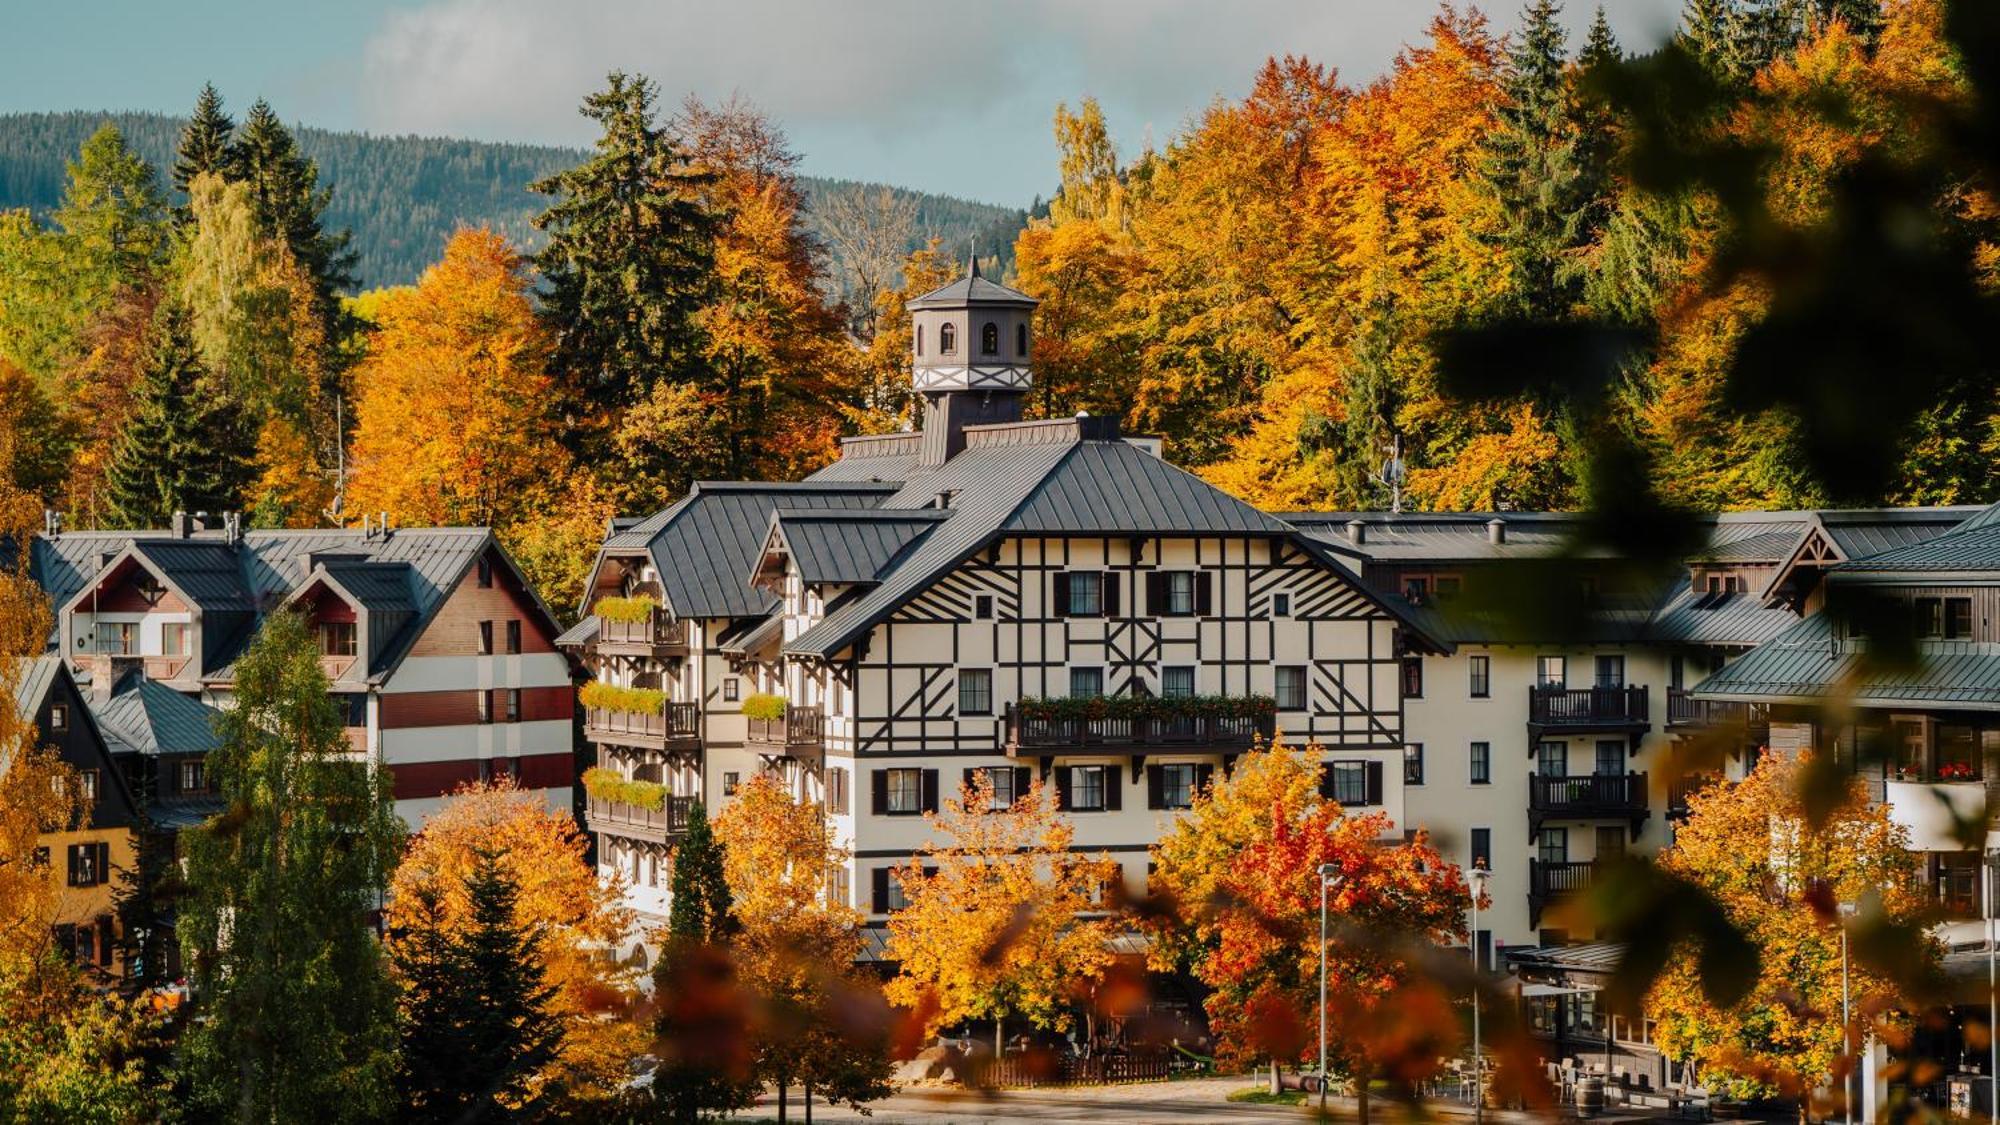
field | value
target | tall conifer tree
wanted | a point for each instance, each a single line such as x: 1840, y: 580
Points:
x: 187, y: 446
x: 630, y: 258
x: 290, y: 205
x: 1532, y: 168
x: 208, y: 144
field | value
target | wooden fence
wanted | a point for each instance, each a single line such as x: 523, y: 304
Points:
x: 1037, y: 1068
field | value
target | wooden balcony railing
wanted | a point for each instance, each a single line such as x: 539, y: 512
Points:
x: 1552, y: 706
x: 1587, y: 797
x: 674, y: 725
x: 1549, y: 881
x: 1225, y: 734
x: 658, y: 634
x: 1686, y: 712
x: 801, y: 733
x: 669, y: 821
x: 1682, y: 788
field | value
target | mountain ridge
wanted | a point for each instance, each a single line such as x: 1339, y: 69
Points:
x: 402, y: 195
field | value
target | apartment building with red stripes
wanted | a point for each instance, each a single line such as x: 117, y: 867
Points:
x: 438, y: 651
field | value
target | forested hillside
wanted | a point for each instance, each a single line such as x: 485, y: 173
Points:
x: 403, y: 196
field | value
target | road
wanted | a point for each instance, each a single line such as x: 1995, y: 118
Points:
x: 1201, y: 1099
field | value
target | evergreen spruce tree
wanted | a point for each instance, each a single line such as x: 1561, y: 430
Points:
x: 476, y: 1022
x: 112, y: 212
x: 294, y: 1012
x: 1708, y: 32
x: 1531, y: 166
x: 629, y: 260
x: 207, y: 144
x: 289, y: 204
x: 706, y: 1067
x: 1863, y: 17
x: 1595, y: 127
x: 187, y: 446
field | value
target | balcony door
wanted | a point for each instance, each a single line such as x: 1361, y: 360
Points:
x: 1552, y: 759
x: 1610, y: 844
x: 1554, y: 845
x: 1610, y: 757
x: 1611, y: 671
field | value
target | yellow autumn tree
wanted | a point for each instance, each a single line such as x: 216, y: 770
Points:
x: 572, y: 914
x: 998, y: 919
x: 884, y: 403
x: 1778, y: 878
x: 823, y: 1024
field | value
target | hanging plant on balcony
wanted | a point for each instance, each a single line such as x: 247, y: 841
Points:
x: 625, y: 611
x: 1149, y: 707
x: 632, y: 700
x: 608, y: 785
x: 764, y: 707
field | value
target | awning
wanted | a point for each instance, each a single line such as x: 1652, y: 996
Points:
x: 1534, y: 991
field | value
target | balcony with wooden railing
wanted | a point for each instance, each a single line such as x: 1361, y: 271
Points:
x: 1147, y: 734
x: 1549, y: 882
x: 1688, y: 714
x: 1552, y: 707
x: 1589, y: 797
x: 675, y: 726
x: 656, y: 635
x: 799, y: 733
x: 662, y: 825
x: 1684, y: 787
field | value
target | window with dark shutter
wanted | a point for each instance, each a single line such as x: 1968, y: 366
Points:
x: 1112, y: 787
x: 1063, y: 800
x: 878, y: 795
x: 1061, y: 598
x: 878, y: 891
x: 1204, y: 594
x: 1156, y: 787
x: 513, y: 636
x: 1374, y: 783
x: 1112, y: 606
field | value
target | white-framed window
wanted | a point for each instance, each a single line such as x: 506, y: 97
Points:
x: 836, y: 790
x: 86, y: 784
x: 1178, y: 586
x: 59, y: 717
x: 193, y: 776
x: 1086, y: 787
x: 1348, y: 782
x: 176, y: 638
x: 732, y: 689
x: 1551, y: 671
x: 1291, y: 687
x: 1086, y: 594
x: 1004, y: 790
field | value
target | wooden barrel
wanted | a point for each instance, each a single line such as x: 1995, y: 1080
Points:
x: 1589, y: 1096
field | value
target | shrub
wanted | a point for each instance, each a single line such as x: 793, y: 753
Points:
x: 627, y: 611
x: 1150, y: 707
x: 607, y: 785
x: 764, y: 706
x: 608, y: 697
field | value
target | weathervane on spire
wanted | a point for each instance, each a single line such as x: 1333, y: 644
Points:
x: 975, y: 257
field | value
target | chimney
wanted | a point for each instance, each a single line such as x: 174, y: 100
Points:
x: 1496, y: 531
x: 182, y: 525
x: 1357, y: 532
x: 946, y: 498
x: 232, y: 527
x: 52, y: 523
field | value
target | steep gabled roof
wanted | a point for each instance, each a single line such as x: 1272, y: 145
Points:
x: 703, y: 545
x: 38, y: 675
x: 848, y: 547
x: 146, y: 717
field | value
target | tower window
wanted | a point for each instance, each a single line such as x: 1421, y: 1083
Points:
x: 1021, y: 339
x: 920, y: 339
x: 947, y: 339
x: 989, y: 339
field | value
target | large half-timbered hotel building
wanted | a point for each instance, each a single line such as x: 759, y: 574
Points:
x: 909, y: 603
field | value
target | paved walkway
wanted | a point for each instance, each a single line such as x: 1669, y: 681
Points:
x: 1200, y: 1099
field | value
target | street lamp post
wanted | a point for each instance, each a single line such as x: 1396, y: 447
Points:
x: 1476, y: 882
x: 1992, y: 995
x: 1328, y: 879
x: 1847, y: 910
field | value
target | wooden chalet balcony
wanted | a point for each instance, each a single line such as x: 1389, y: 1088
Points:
x: 1682, y: 788
x: 1555, y: 708
x: 1550, y: 882
x: 657, y: 636
x: 1212, y: 734
x: 675, y: 726
x: 800, y: 734
x: 1589, y: 797
x: 1686, y: 713
x: 662, y: 825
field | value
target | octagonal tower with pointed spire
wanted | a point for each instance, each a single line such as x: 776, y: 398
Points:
x: 969, y: 361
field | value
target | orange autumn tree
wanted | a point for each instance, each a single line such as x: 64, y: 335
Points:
x: 574, y: 916
x: 1240, y: 872
x: 1751, y: 847
x: 454, y: 424
x: 996, y: 922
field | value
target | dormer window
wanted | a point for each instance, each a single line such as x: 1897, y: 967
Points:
x: 989, y: 339
x: 1021, y: 340
x: 336, y: 638
x: 948, y: 339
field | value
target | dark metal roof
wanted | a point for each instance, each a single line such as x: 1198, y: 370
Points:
x: 1804, y: 663
x: 150, y: 718
x: 1972, y: 545
x: 874, y: 457
x: 755, y: 638
x: 1585, y: 957
x: 183, y: 812
x: 38, y: 675
x: 704, y: 544
x: 847, y: 547
x: 1864, y: 533
x: 1722, y: 620
x: 969, y: 290
x: 581, y: 633
x: 383, y: 587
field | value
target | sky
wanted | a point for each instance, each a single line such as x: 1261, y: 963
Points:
x: 951, y: 96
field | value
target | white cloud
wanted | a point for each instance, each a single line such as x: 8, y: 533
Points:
x: 945, y: 94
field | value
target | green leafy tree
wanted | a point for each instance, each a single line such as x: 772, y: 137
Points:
x: 629, y: 260
x: 186, y: 446
x: 294, y: 1011
x: 207, y: 144
x: 477, y: 1024
x: 112, y: 210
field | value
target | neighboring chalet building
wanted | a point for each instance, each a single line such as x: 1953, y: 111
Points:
x: 881, y: 630
x: 90, y: 860
x: 440, y: 655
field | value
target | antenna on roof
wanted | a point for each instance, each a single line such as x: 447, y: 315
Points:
x: 1393, y: 474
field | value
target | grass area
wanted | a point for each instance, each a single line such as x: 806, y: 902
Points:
x: 1262, y: 1095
